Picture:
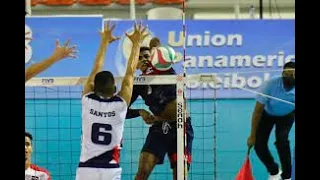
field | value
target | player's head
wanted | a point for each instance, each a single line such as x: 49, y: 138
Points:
x: 28, y: 146
x: 104, y: 83
x: 144, y: 58
x: 288, y: 74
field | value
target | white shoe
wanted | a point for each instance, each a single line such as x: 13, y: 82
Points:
x: 275, y: 177
x: 287, y: 179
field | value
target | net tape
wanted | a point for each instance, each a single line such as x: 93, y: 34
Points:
x: 141, y: 80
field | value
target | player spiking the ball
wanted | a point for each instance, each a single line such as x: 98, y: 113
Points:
x: 161, y: 100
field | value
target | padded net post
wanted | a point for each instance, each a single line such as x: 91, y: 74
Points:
x: 180, y: 129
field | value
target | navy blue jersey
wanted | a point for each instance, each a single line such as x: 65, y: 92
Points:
x: 155, y: 96
x: 162, y: 136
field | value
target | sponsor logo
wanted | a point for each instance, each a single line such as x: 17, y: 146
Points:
x: 180, y: 115
x: 47, y: 81
x: 139, y: 79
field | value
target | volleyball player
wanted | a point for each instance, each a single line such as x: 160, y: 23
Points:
x: 61, y: 52
x: 162, y: 136
x: 31, y: 170
x: 268, y: 113
x: 104, y: 112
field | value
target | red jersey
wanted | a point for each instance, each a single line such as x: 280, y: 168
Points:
x: 151, y: 70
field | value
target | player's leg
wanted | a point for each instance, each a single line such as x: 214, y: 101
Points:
x: 85, y: 173
x: 173, y: 162
x: 283, y: 127
x: 111, y: 173
x: 147, y: 162
x: 172, y: 153
x: 174, y: 171
x: 152, y: 153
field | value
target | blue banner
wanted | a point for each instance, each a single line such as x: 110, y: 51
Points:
x: 82, y: 31
x: 243, y: 54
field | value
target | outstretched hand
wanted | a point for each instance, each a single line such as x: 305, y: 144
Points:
x: 139, y: 33
x: 107, y: 35
x: 64, y: 51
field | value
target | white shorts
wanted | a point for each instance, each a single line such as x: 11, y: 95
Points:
x: 85, y: 173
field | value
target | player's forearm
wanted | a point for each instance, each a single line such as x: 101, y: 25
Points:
x: 97, y: 67
x: 169, y: 113
x: 37, y: 68
x: 133, y: 60
x: 127, y: 83
x: 161, y: 119
x: 256, y: 116
x: 100, y: 59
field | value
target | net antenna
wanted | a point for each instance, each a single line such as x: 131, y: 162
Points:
x: 28, y: 7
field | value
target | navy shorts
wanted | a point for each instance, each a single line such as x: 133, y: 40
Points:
x: 162, y: 139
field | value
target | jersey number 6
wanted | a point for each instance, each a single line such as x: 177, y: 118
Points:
x: 98, y: 134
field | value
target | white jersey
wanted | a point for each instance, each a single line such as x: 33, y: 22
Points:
x: 36, y: 173
x: 102, y: 130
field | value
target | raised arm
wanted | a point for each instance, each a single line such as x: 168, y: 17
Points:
x: 255, y: 119
x: 127, y: 83
x: 133, y: 113
x: 61, y: 52
x: 106, y: 39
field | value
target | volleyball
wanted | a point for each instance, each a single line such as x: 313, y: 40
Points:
x: 163, y: 57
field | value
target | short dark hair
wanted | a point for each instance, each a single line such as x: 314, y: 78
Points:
x: 290, y: 64
x: 144, y: 48
x: 26, y: 134
x: 104, y: 82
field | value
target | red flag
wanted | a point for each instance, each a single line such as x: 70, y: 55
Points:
x: 245, y: 172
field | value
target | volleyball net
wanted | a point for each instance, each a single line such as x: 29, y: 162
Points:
x: 53, y: 115
x: 219, y: 105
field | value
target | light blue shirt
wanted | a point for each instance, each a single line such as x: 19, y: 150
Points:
x: 274, y: 87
